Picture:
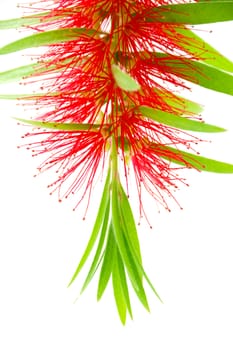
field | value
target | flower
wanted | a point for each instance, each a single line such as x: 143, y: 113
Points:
x: 110, y: 81
x: 80, y: 86
x: 75, y: 155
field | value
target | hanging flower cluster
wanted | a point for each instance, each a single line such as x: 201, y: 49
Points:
x: 108, y: 104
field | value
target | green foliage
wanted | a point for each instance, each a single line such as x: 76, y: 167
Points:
x: 96, y: 229
x: 190, y: 160
x: 177, y: 121
x: 183, y: 105
x: 197, y: 73
x: 202, y: 50
x: 19, y: 73
x: 98, y: 257
x: 201, y: 12
x: 15, y: 23
x: 118, y: 254
x: 59, y: 126
x: 108, y: 259
x: 46, y: 38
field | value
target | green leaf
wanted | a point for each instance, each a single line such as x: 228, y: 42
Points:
x: 19, y: 96
x: 139, y: 265
x: 129, y: 222
x: 60, y: 126
x: 96, y: 228
x: 194, y: 13
x: 25, y: 21
x: 210, y: 78
x: 131, y: 237
x: 98, y: 257
x: 18, y: 73
x: 190, y: 160
x: 46, y: 38
x: 181, y: 104
x: 197, y: 73
x: 118, y: 290
x: 123, y: 280
x: 107, y: 264
x: 126, y: 255
x: 124, y: 80
x: 177, y: 121
x: 184, y: 105
x: 135, y: 272
x: 34, y: 96
x: 202, y: 50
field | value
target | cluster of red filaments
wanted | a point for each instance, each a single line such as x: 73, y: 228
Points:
x: 79, y: 87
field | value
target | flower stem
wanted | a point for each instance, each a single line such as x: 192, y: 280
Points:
x: 114, y: 160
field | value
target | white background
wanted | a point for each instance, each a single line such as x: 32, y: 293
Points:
x: 188, y: 254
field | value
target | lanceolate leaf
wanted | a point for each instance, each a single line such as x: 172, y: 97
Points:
x: 98, y: 257
x: 118, y: 289
x: 183, y: 105
x: 96, y: 229
x: 24, y: 21
x: 129, y: 222
x: 137, y: 273
x: 123, y: 280
x: 139, y: 266
x: 194, y: 13
x: 27, y: 71
x: 107, y: 264
x: 202, y: 50
x: 209, y: 77
x: 177, y: 121
x: 123, y: 80
x: 60, y: 126
x: 188, y: 107
x: 46, y: 38
x: 126, y: 254
x: 198, y: 73
x: 18, y: 73
x: 20, y: 96
x: 34, y: 96
x: 198, y: 162
x: 131, y: 237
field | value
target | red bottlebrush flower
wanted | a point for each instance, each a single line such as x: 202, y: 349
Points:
x: 76, y: 157
x: 109, y: 83
x: 144, y: 142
